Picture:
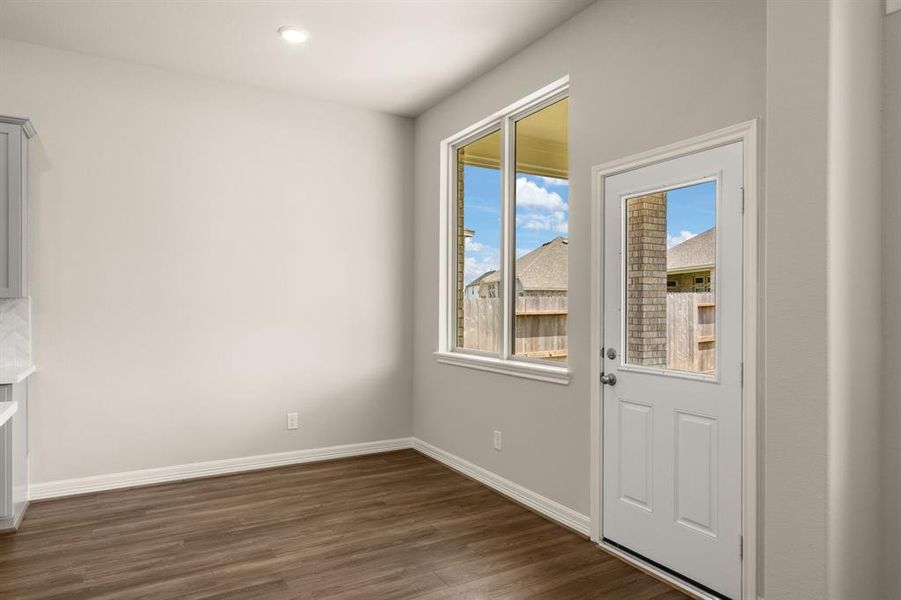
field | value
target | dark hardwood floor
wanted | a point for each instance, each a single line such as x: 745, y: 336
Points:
x: 395, y: 525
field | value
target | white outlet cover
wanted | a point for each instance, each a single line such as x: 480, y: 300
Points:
x: 292, y: 421
x: 498, y: 440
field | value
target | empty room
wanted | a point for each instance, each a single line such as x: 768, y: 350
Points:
x: 450, y: 299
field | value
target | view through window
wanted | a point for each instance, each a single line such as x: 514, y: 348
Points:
x: 510, y: 227
x: 542, y: 233
x: 478, y: 230
x: 670, y: 263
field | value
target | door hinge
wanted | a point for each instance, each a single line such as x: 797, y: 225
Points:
x: 741, y: 546
x: 741, y: 374
x: 742, y: 190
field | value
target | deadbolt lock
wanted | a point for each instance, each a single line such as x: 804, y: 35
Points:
x: 611, y: 353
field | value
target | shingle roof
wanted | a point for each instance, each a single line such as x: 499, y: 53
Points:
x: 696, y: 252
x: 544, y: 268
x: 481, y: 278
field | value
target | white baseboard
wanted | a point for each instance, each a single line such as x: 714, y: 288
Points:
x: 540, y: 504
x: 112, y: 481
x: 97, y: 483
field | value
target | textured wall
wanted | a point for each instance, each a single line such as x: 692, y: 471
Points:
x: 709, y: 57
x: 854, y: 234
x: 891, y: 357
x: 794, y: 252
x: 202, y: 263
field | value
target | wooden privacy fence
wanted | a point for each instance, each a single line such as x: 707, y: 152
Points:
x: 540, y: 327
x: 691, y: 332
x: 481, y: 325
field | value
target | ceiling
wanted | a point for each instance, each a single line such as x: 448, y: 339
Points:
x: 396, y: 56
x: 541, y: 149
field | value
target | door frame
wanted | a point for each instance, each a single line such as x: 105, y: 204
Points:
x: 747, y: 134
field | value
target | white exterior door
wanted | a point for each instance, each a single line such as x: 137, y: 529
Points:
x: 672, y: 434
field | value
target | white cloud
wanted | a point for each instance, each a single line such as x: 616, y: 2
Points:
x: 538, y: 224
x: 555, y: 181
x: 674, y: 240
x: 538, y: 209
x: 543, y: 221
x: 479, y: 259
x: 473, y: 266
x: 530, y: 194
x: 472, y: 245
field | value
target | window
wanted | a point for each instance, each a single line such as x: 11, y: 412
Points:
x: 670, y: 235
x: 477, y: 231
x: 541, y: 196
x: 505, y: 226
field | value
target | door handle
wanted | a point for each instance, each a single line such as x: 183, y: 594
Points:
x: 609, y: 379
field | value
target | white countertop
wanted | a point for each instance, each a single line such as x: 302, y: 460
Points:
x: 7, y: 410
x: 16, y: 375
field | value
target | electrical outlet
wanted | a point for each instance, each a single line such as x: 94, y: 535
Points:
x: 292, y: 420
x: 498, y: 440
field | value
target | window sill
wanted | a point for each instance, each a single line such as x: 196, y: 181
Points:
x: 538, y: 372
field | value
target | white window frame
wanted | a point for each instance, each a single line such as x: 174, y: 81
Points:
x: 503, y: 361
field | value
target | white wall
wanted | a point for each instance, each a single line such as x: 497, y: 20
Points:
x: 643, y: 74
x: 823, y: 372
x: 855, y: 312
x: 205, y: 257
x: 891, y: 225
x: 184, y: 301
x: 794, y: 250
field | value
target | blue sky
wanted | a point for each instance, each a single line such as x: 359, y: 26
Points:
x: 542, y: 213
x: 689, y: 211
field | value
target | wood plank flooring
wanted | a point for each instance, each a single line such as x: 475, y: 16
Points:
x: 395, y: 525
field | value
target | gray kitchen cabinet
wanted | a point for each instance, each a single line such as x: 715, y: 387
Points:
x: 14, y: 457
x: 14, y: 135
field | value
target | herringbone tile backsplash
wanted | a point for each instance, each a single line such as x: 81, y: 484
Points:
x: 15, y: 333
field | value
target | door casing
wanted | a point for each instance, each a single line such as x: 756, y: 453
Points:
x: 747, y: 134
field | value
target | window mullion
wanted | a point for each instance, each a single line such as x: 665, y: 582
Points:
x: 508, y: 242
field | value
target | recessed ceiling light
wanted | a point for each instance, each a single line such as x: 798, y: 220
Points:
x: 293, y: 35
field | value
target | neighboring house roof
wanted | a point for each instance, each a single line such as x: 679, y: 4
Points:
x: 480, y: 278
x: 544, y: 268
x: 698, y: 252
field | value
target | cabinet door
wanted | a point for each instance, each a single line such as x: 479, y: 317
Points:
x: 7, y: 468
x: 19, y: 446
x: 12, y: 206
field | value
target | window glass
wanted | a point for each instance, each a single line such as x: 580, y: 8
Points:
x: 478, y: 228
x: 541, y: 196
x: 670, y: 272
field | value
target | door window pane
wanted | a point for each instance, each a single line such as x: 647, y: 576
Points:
x: 542, y: 233
x: 670, y: 275
x: 478, y: 226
